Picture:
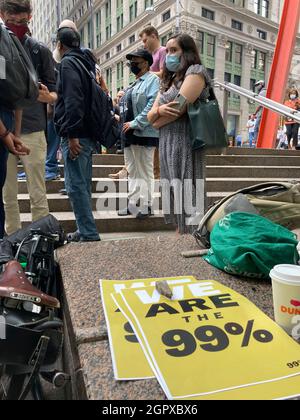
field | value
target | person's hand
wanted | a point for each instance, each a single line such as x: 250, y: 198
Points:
x: 168, y: 110
x: 126, y: 127
x: 15, y: 145
x: 43, y: 94
x: 75, y: 148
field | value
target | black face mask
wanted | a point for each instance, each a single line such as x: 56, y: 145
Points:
x: 135, y: 69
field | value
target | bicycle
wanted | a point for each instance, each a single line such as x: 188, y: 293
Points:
x: 30, y: 311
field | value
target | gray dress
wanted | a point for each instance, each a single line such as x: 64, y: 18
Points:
x: 182, y: 169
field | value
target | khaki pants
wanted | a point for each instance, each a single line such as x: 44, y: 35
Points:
x: 139, y: 164
x: 34, y: 167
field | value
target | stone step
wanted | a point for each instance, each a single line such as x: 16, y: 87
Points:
x: 108, y: 160
x: 213, y: 171
x: 103, y: 202
x: 258, y: 160
x: 247, y: 151
x: 235, y: 184
x: 109, y: 222
x: 100, y: 202
x: 253, y: 172
x: 215, y: 159
x: 101, y: 185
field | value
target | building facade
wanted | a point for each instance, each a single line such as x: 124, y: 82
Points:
x: 236, y: 38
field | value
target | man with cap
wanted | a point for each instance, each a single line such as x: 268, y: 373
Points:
x: 141, y: 138
x: 71, y: 124
x: 262, y: 91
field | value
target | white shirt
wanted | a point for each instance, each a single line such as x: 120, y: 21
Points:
x: 251, y: 126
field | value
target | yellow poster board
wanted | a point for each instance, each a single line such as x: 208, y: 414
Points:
x: 128, y: 359
x: 209, y: 342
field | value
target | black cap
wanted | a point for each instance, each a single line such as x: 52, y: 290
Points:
x: 68, y: 37
x: 142, y: 53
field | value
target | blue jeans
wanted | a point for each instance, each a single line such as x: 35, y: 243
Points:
x: 6, y: 117
x: 78, y: 182
x: 251, y: 138
x: 53, y: 143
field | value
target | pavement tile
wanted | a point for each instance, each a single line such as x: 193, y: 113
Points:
x: 99, y: 382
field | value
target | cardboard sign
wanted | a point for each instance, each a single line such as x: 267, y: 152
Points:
x: 210, y: 342
x: 128, y: 358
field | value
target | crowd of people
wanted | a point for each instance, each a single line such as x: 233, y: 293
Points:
x: 288, y: 131
x: 151, y: 113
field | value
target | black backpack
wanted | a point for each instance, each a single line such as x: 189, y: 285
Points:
x: 19, y: 89
x: 105, y: 129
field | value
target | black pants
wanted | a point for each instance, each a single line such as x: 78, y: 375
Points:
x: 292, y: 133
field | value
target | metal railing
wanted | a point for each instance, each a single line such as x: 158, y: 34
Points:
x: 255, y: 98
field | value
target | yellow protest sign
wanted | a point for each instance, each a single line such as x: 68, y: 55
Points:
x: 210, y: 342
x: 128, y: 358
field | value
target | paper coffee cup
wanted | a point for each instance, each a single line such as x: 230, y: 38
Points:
x: 286, y: 296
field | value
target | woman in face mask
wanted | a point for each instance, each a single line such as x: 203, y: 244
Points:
x: 140, y: 137
x: 292, y: 128
x: 182, y: 169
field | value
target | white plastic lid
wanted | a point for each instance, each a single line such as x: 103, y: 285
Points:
x: 287, y: 273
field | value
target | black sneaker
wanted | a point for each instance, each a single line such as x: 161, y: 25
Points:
x: 144, y: 215
x: 76, y: 238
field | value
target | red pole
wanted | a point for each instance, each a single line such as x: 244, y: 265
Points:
x: 280, y: 71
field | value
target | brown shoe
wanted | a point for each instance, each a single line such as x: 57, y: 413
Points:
x: 123, y: 174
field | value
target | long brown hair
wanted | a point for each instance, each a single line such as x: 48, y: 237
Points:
x: 190, y: 56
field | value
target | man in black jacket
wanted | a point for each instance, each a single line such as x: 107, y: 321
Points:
x: 70, y: 120
x: 17, y: 15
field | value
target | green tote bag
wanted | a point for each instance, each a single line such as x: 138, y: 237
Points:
x: 206, y: 124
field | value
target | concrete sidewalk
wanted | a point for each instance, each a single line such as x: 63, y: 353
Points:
x: 151, y: 256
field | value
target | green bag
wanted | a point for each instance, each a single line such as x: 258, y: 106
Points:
x: 249, y: 245
x: 206, y: 124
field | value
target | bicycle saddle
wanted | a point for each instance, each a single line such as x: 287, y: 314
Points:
x: 15, y: 285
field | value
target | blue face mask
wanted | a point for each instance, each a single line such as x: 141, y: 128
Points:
x: 173, y: 63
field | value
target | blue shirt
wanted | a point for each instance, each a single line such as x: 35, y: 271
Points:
x: 144, y: 94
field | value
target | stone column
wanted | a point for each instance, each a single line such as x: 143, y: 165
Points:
x: 126, y: 12
x: 114, y: 80
x: 221, y: 43
x: 269, y: 62
x: 246, y: 76
x: 113, y: 17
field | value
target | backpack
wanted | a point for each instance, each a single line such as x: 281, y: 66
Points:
x: 276, y: 201
x: 249, y: 245
x: 34, y: 48
x: 105, y: 129
x: 19, y: 89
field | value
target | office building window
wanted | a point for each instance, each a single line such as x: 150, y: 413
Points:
x: 229, y: 49
x: 261, y: 34
x: 238, y: 54
x: 166, y: 16
x: 211, y: 42
x: 262, y: 7
x: 235, y: 24
x: 208, y: 14
x: 132, y: 39
x: 201, y: 41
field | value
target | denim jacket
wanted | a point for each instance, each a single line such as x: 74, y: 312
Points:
x: 144, y: 94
